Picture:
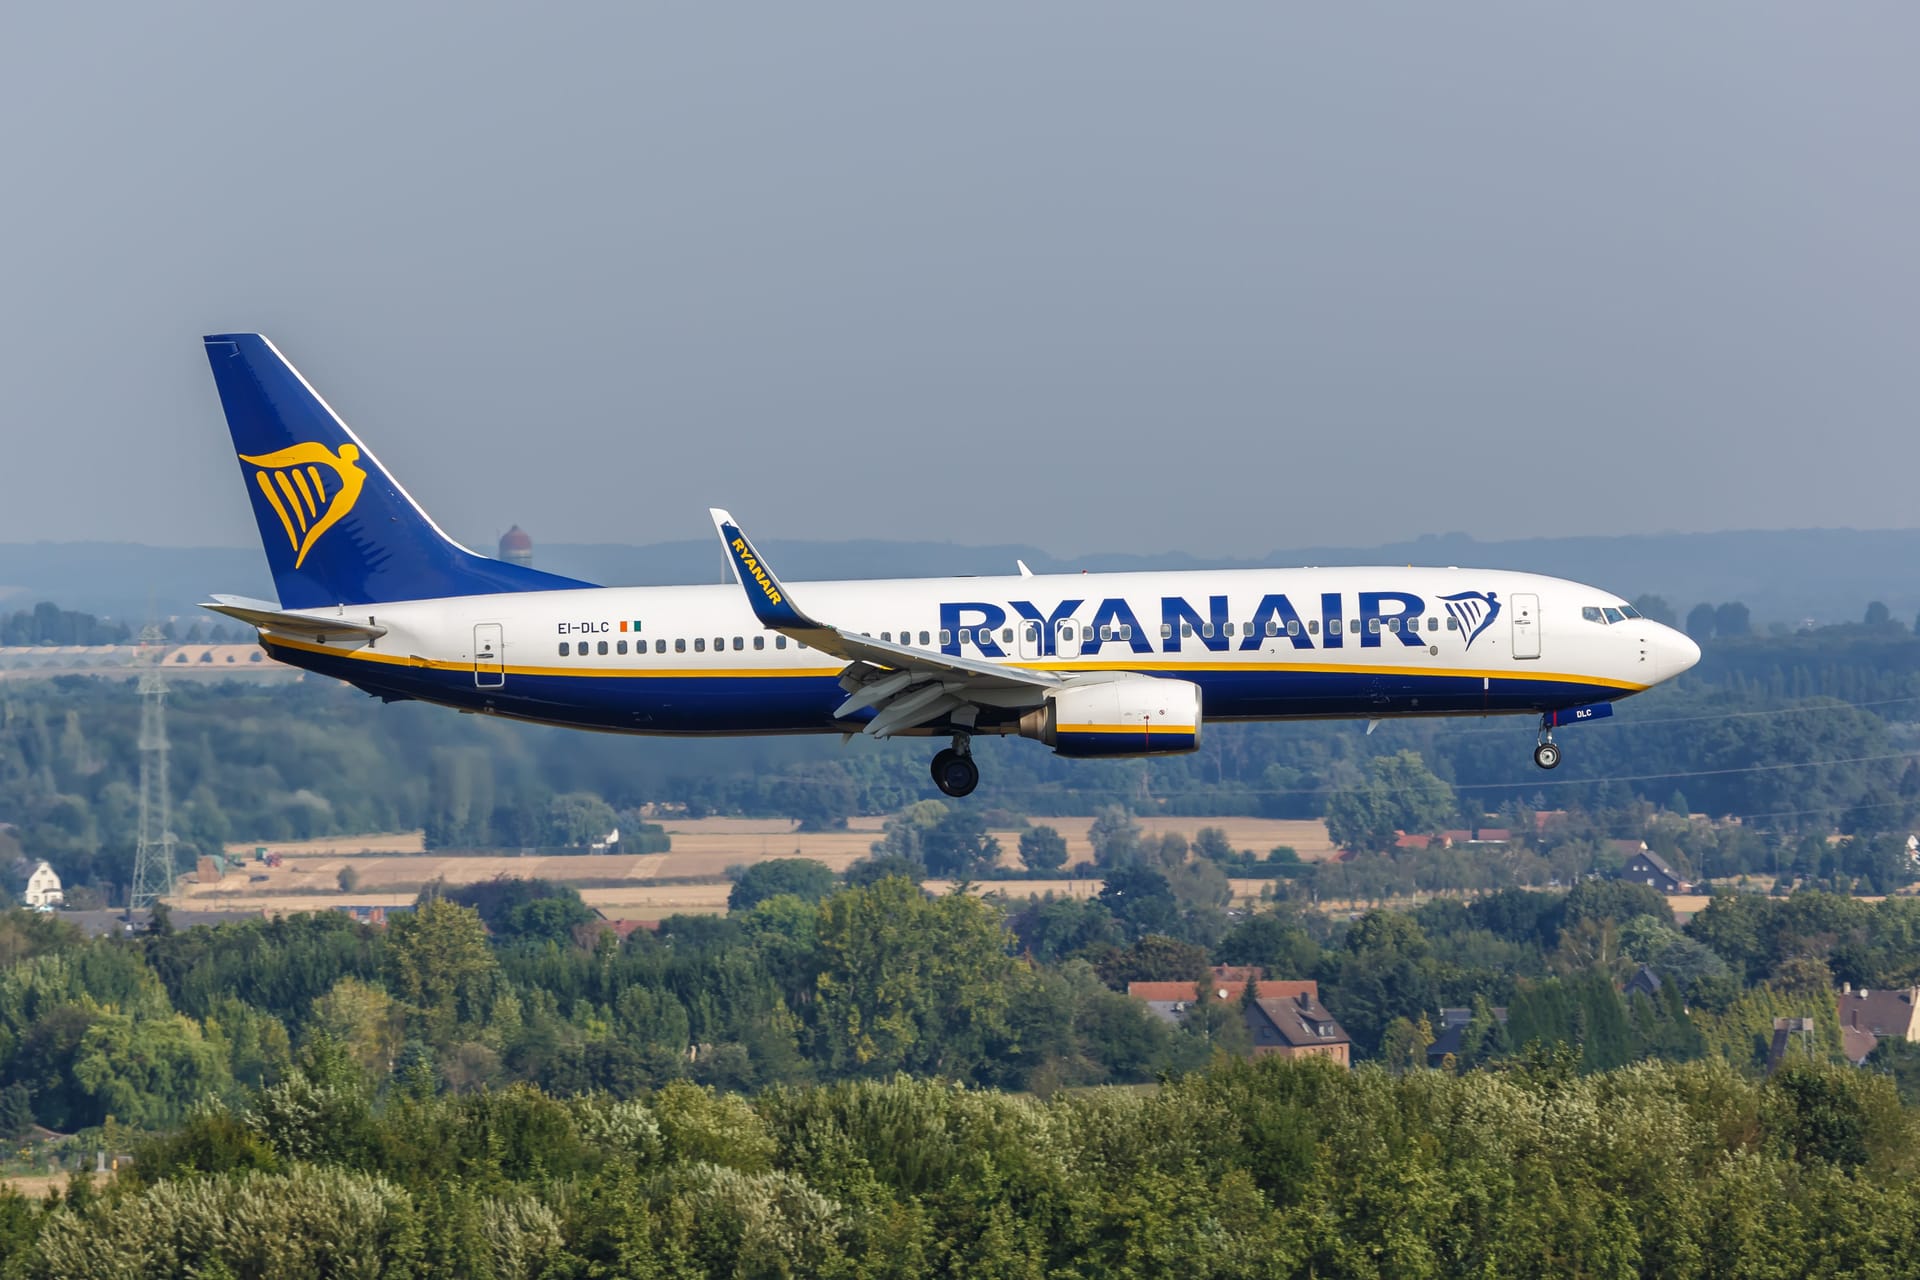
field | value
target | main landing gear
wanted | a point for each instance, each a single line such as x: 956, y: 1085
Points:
x: 954, y: 771
x: 1546, y: 755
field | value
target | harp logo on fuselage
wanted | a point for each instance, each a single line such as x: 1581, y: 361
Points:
x: 310, y: 488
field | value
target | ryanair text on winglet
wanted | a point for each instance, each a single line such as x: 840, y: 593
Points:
x: 752, y: 566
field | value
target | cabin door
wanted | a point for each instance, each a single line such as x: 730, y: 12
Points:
x: 1526, y: 625
x: 489, y: 656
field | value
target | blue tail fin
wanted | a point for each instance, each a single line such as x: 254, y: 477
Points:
x: 337, y: 528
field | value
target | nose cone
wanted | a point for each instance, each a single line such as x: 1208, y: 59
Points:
x: 1674, y: 652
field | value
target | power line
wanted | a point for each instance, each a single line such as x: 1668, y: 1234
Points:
x: 1635, y: 723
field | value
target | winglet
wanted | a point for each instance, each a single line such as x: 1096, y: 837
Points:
x: 770, y: 601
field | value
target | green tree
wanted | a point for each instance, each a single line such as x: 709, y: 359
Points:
x: 1404, y: 1045
x: 579, y: 818
x: 364, y: 1020
x: 803, y: 878
x: 909, y: 982
x: 1116, y: 838
x: 1731, y: 619
x: 1400, y: 795
x: 1043, y: 849
x: 1657, y: 609
x: 439, y: 962
x: 958, y: 845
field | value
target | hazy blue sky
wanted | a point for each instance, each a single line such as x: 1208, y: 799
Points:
x: 1217, y: 278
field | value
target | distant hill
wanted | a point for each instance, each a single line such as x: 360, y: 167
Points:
x: 1827, y: 575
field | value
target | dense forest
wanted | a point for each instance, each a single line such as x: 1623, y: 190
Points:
x: 1800, y: 733
x: 854, y: 1077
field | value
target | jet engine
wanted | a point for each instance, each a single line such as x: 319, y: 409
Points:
x: 1128, y: 716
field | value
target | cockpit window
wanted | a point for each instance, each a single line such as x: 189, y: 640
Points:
x: 1629, y: 610
x: 1592, y: 614
x: 1614, y: 615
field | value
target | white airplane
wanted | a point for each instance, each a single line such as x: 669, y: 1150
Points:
x: 1124, y: 664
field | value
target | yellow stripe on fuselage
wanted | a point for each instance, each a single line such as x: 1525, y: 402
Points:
x: 1056, y: 667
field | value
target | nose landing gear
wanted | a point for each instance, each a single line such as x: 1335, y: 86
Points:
x: 1546, y: 755
x: 954, y: 771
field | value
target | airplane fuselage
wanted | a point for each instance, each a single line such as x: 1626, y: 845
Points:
x: 1261, y: 644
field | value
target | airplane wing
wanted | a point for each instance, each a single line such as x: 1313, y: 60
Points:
x: 267, y: 616
x: 905, y: 687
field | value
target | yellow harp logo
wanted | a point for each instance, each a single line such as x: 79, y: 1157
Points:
x: 309, y: 488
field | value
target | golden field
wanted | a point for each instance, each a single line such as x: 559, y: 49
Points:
x: 391, y: 868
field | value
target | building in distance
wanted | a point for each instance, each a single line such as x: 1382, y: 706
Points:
x: 43, y: 888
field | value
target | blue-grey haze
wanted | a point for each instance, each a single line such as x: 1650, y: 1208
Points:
x: 1144, y: 277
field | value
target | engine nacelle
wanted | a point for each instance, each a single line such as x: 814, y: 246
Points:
x: 1130, y: 716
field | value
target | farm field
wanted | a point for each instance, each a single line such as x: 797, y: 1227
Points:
x: 391, y: 868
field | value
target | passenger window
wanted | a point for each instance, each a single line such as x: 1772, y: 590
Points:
x: 799, y: 645
x: 1086, y: 634
x: 759, y: 642
x: 1592, y: 614
x: 1126, y: 631
x: 1166, y: 631
x: 680, y: 645
x: 1373, y: 626
x: 946, y: 636
x: 1313, y: 627
x: 1433, y: 624
x: 1206, y: 631
x: 1033, y: 633
x: 659, y: 646
x: 779, y: 642
x: 564, y: 648
x: 603, y: 648
x: 1453, y: 624
x: 966, y: 635
x: 923, y: 638
x: 620, y: 646
x: 719, y: 643
x: 1333, y: 627
x: 1228, y: 628
x: 1006, y: 635
x: 1293, y: 626
x: 1273, y: 627
x: 699, y: 644
x: 1106, y: 633
x: 887, y: 637
x: 1066, y: 633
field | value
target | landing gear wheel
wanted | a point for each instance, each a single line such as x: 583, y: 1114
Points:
x: 1547, y: 756
x: 955, y: 774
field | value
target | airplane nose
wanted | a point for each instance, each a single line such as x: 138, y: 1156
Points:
x: 1674, y: 652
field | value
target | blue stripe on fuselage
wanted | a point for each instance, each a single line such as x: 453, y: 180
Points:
x: 723, y: 703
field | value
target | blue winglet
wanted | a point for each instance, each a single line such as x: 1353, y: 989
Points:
x: 769, y: 599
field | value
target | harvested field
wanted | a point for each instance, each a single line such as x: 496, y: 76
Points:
x: 35, y: 1186
x: 389, y: 842
x: 390, y: 869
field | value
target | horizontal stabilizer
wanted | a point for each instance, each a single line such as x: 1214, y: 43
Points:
x: 270, y: 617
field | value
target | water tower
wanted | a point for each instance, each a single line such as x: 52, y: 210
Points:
x: 516, y: 547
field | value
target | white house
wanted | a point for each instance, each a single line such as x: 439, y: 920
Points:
x: 43, y: 889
